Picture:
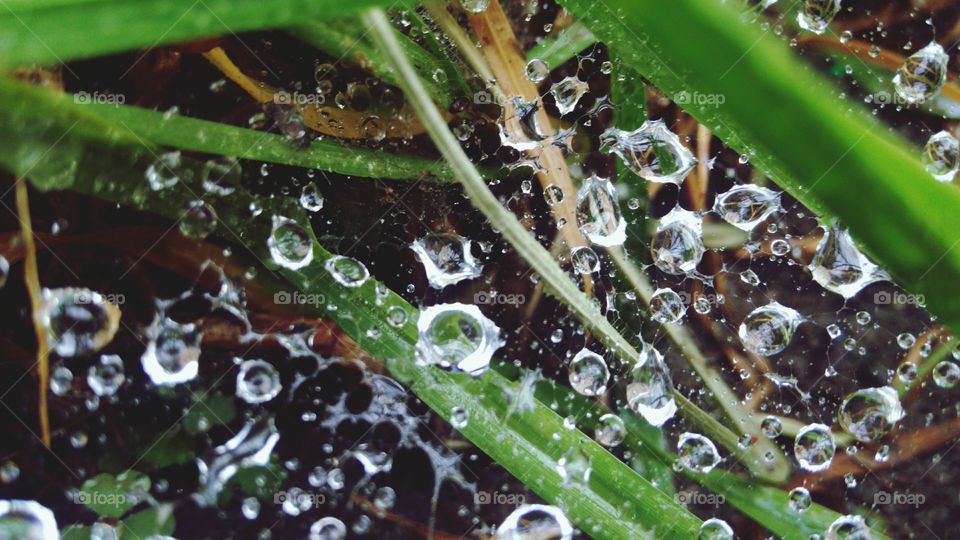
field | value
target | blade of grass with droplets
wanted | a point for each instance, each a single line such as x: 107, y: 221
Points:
x: 48, y: 32
x: 208, y: 137
x: 567, y: 43
x: 767, y: 505
x: 829, y: 154
x: 539, y: 259
x: 60, y: 145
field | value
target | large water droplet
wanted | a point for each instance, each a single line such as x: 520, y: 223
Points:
x: 768, y: 329
x: 588, y: 373
x: 534, y: 522
x: 166, y: 171
x: 585, y: 260
x: 568, y: 92
x: 814, y: 447
x: 475, y: 6
x: 106, y: 376
x: 258, y: 381
x: 77, y: 321
x: 347, y: 271
x: 598, y: 212
x: 610, y: 430
x: 666, y: 306
x: 446, y: 258
x: 697, y: 453
x: 650, y: 390
x: 941, y: 156
x: 677, y: 246
x: 652, y: 152
x: 746, y: 206
x: 457, y: 335
x: 715, y: 529
x: 27, y: 520
x: 840, y: 267
x: 173, y: 352
x: 817, y: 14
x: 290, y: 244
x: 799, y: 499
x: 922, y: 74
x: 868, y: 414
x: 536, y: 70
x: 310, y: 198
x: 328, y: 528
x: 849, y: 528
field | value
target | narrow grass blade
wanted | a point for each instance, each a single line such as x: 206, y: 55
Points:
x: 567, y: 43
x: 834, y: 157
x: 54, y: 31
x: 208, y: 137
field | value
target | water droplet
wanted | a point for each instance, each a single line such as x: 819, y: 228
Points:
x: 310, y: 198
x: 106, y: 376
x: 446, y: 258
x: 906, y: 340
x: 459, y: 417
x: 946, y: 374
x: 833, y: 331
x: 172, y: 353
x: 4, y: 270
x: 650, y: 390
x: 799, y: 499
x: 840, y: 267
x: 397, y: 316
x: 771, y: 427
x: 610, y: 430
x: 258, y: 381
x: 61, y: 380
x: 846, y: 36
x: 666, y: 306
x: 588, y: 373
x: 78, y: 321
x: 922, y: 74
x: 166, y: 171
x: 457, y: 335
x: 779, y: 247
x: 568, y: 92
x: 585, y: 260
x: 907, y: 372
x: 347, y: 271
x: 941, y: 156
x: 814, y: 447
x: 746, y: 206
x: 290, y: 244
x: 676, y: 246
x: 199, y: 220
x: 817, y: 14
x: 697, y: 453
x: 553, y: 195
x: 868, y: 414
x: 28, y: 520
x: 652, y: 152
x: 848, y: 528
x: 250, y: 508
x: 475, y: 6
x: 598, y: 212
x: 768, y: 330
x: 715, y: 529
x: 536, y: 70
x: 535, y: 521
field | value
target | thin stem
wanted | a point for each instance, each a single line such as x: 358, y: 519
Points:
x: 32, y: 279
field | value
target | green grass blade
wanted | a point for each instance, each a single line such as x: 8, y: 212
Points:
x: 327, y: 155
x: 54, y: 31
x: 60, y: 145
x: 829, y: 154
x: 567, y: 43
